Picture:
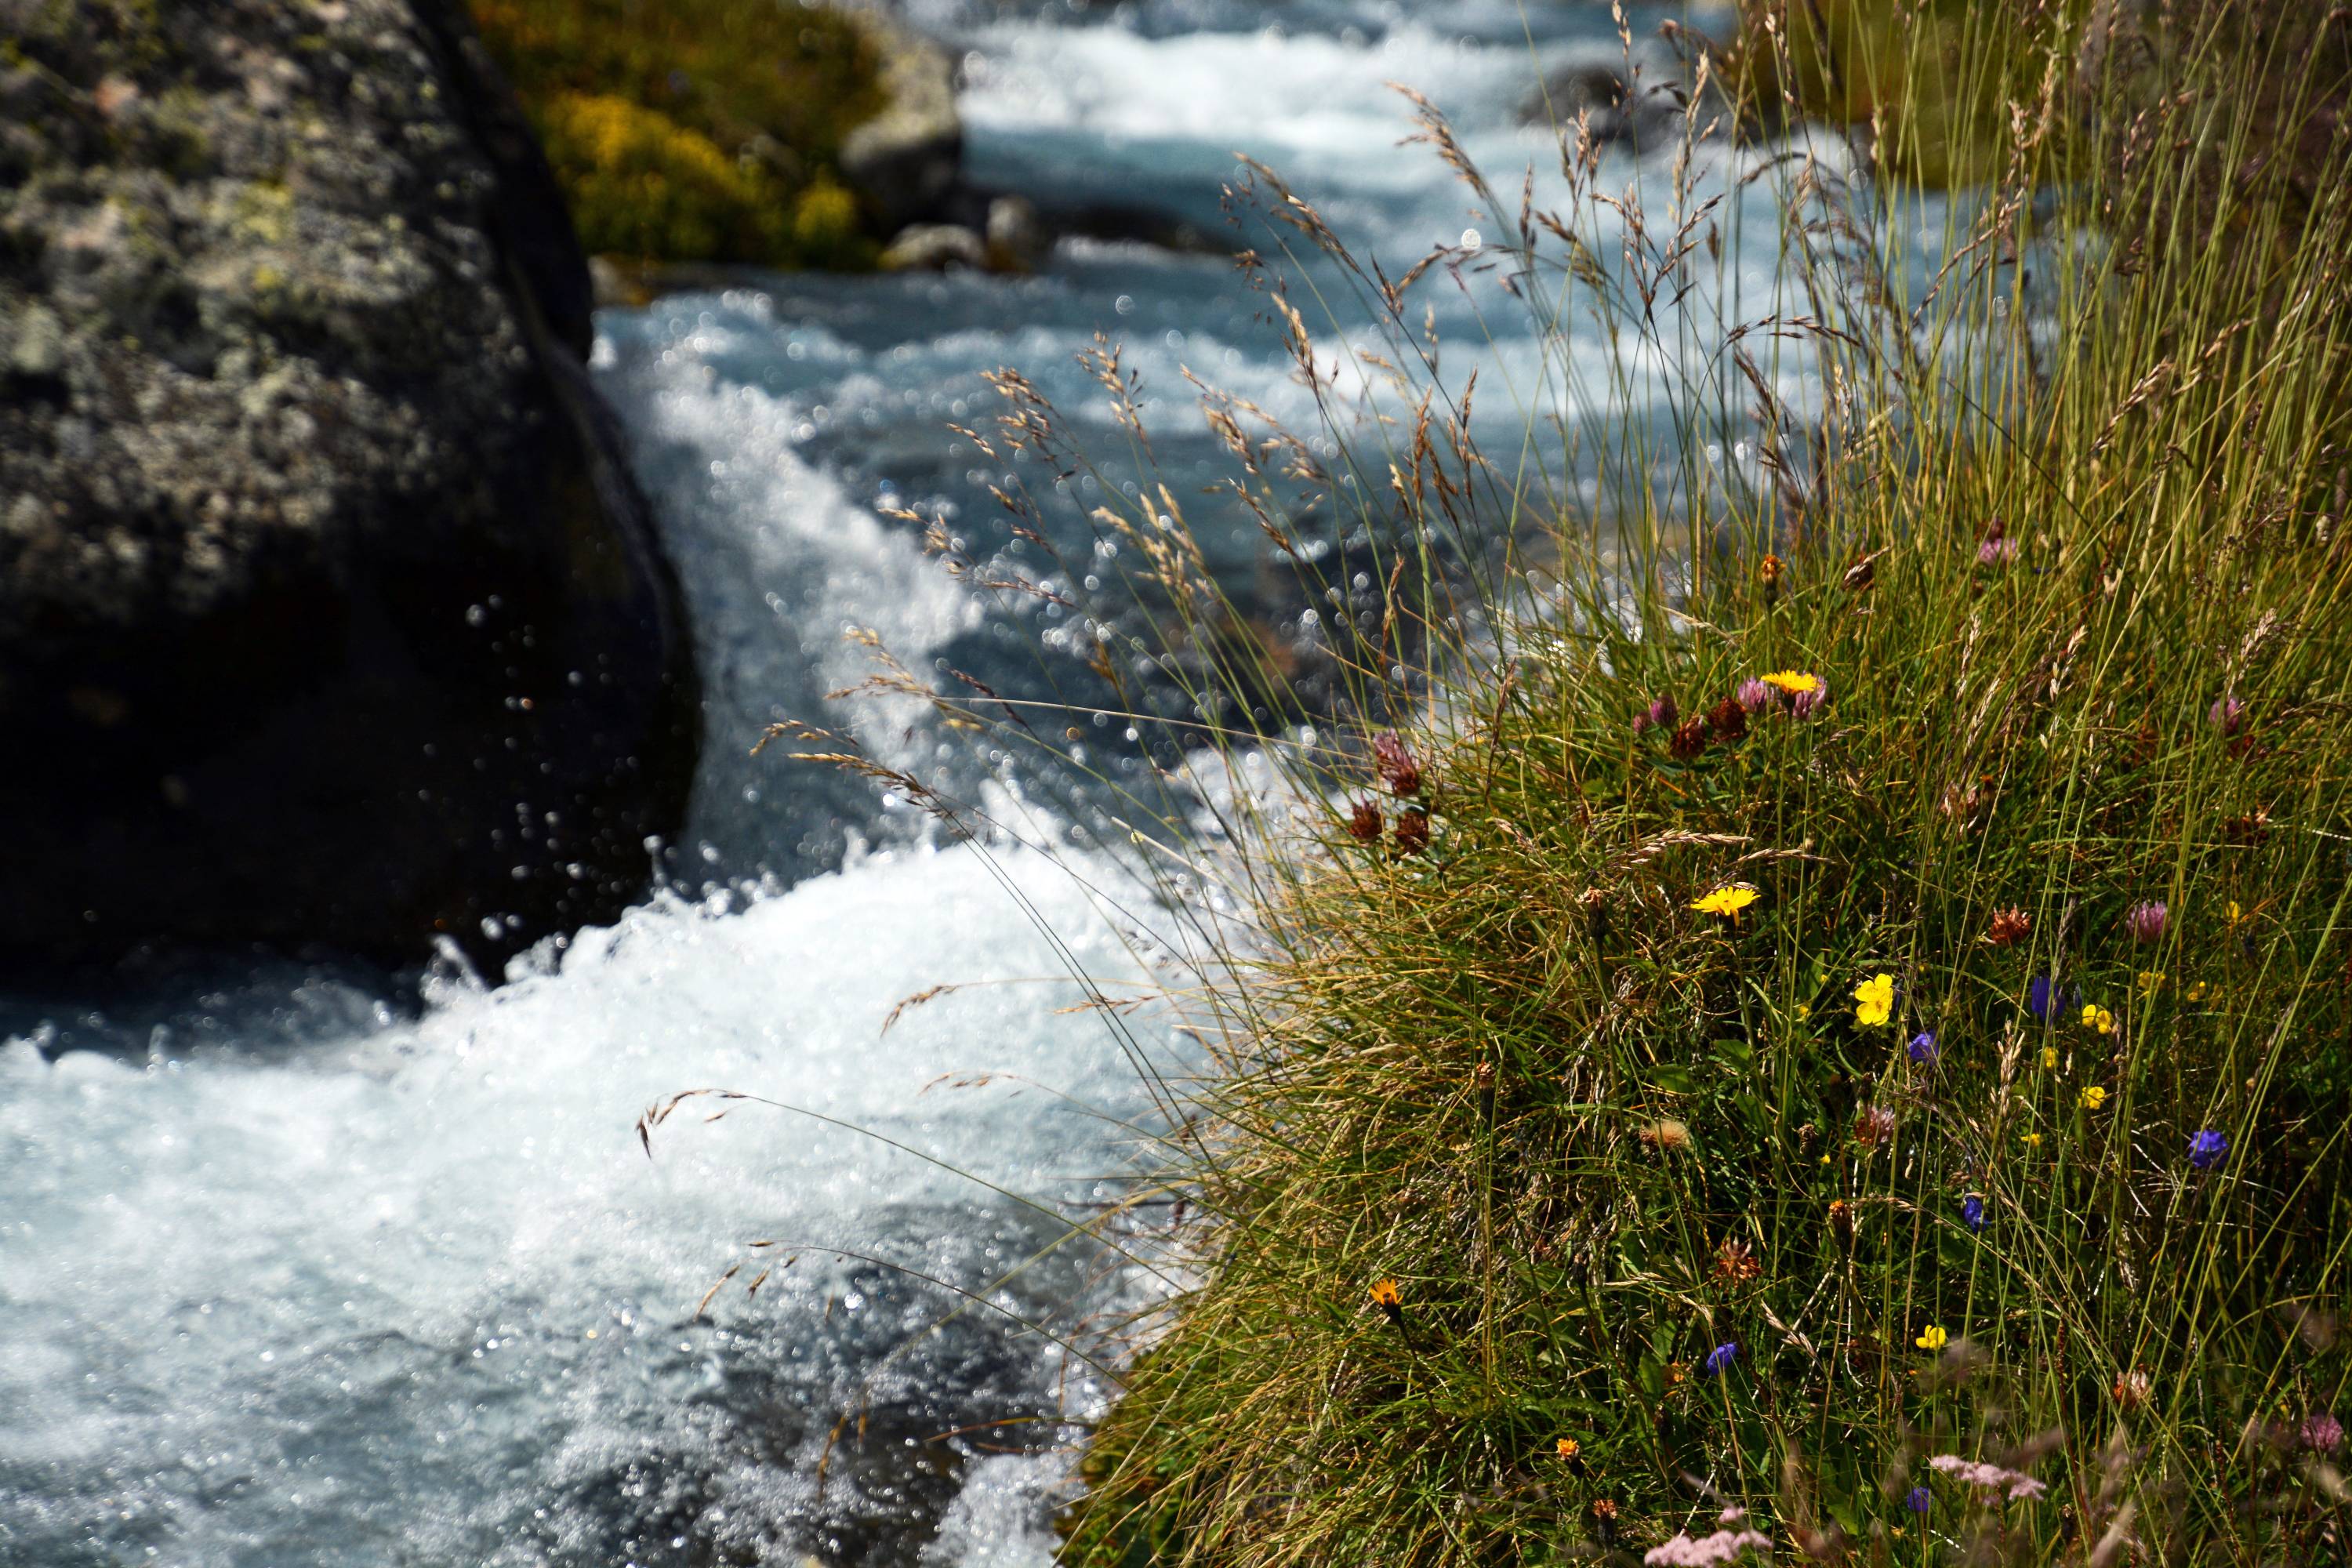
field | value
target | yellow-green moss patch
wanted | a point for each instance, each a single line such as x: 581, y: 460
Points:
x: 695, y: 129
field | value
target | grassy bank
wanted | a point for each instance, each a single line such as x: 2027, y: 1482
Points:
x: 695, y: 130
x: 1838, y: 1002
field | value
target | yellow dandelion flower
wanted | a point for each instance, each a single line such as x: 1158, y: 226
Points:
x: 1386, y: 1297
x: 1795, y: 683
x: 2093, y: 1097
x: 1568, y: 1447
x: 1727, y: 902
x: 1874, y: 1000
x: 1934, y: 1339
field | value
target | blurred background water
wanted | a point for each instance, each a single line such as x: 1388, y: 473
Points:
x: 302, y: 1262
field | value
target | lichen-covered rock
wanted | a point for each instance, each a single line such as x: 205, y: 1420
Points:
x: 328, y: 610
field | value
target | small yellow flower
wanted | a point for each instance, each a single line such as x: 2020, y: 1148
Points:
x: 2236, y: 915
x: 2049, y: 1058
x: 2151, y: 981
x: 1934, y: 1339
x: 1568, y: 1449
x: 2099, y: 1018
x: 1795, y: 683
x: 1386, y: 1297
x: 1874, y: 1000
x: 1727, y: 902
x: 1804, y: 1012
x: 2093, y: 1097
x: 2195, y: 991
x: 2031, y: 1140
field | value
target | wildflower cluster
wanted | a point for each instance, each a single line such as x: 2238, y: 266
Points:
x: 2017, y: 1486
x: 1726, y: 723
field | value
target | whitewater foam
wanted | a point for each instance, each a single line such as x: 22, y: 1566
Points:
x: 417, y: 1296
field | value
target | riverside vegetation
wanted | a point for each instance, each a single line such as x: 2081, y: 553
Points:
x: 695, y: 130
x: 1818, y: 1018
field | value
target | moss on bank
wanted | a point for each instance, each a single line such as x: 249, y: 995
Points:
x: 695, y: 130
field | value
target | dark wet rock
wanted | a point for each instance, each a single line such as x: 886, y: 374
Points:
x: 906, y: 161
x: 1017, y: 240
x: 1643, y: 108
x: 934, y: 248
x: 329, y: 611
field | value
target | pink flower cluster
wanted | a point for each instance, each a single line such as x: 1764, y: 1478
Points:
x: 1992, y: 1477
x: 1687, y: 1550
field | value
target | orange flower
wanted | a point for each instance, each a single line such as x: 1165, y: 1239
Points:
x: 2008, y: 925
x: 1666, y: 1135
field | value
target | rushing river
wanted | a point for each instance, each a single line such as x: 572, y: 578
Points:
x: 303, y: 1264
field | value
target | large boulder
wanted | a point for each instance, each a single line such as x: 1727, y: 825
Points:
x: 329, y: 611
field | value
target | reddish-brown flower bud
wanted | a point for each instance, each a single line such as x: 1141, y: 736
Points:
x: 2008, y: 926
x: 1690, y: 741
x: 2132, y: 1388
x: 1397, y: 766
x: 1729, y: 720
x: 1412, y: 832
x: 1364, y: 822
x: 1735, y: 1264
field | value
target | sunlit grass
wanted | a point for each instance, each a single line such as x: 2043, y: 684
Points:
x: 1850, y: 968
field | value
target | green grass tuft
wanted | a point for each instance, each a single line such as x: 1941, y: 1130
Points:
x: 2065, y: 546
